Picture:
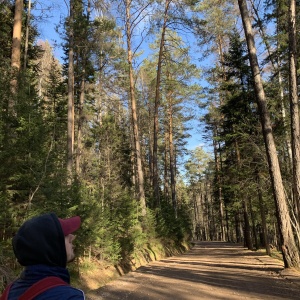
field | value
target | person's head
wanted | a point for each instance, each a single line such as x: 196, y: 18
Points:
x: 46, y: 239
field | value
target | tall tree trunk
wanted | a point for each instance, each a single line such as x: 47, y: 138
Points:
x: 70, y: 138
x: 172, y: 168
x: 80, y: 127
x: 284, y: 119
x: 137, y: 146
x: 210, y: 210
x: 16, y: 49
x: 217, y: 148
x: 195, y: 217
x: 150, y: 149
x: 171, y: 149
x: 247, y: 231
x: 146, y: 95
x: 81, y: 117
x: 227, y: 224
x: 155, y: 181
x: 253, y: 224
x: 238, y: 231
x: 289, y: 248
x: 206, y: 220
x: 247, y: 234
x: 294, y: 106
x: 276, y: 68
x: 217, y: 155
x: 17, y: 31
x: 27, y: 34
x: 263, y: 215
x: 166, y: 164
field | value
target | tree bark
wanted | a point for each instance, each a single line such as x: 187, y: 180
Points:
x: 294, y: 106
x: 27, y: 34
x: 16, y: 49
x: 171, y: 149
x: 262, y: 208
x: 219, y: 186
x: 289, y: 248
x: 137, y: 146
x: 217, y: 150
x: 79, y: 149
x: 247, y: 227
x: 17, y: 31
x: 156, y: 106
x: 81, y: 116
x: 70, y: 138
x: 276, y: 68
x: 247, y: 230
x: 166, y: 164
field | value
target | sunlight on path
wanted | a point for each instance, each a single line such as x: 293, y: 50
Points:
x: 211, y: 270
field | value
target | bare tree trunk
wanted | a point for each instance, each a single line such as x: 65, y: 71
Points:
x: 17, y: 31
x: 276, y: 68
x: 253, y: 224
x: 217, y: 150
x: 283, y: 113
x: 27, y: 34
x: 166, y: 164
x: 70, y: 138
x: 172, y: 167
x: 70, y: 142
x: 247, y: 228
x: 171, y: 149
x: 81, y: 117
x: 138, y: 154
x: 210, y: 210
x: 195, y: 217
x: 156, y: 106
x: 133, y: 161
x: 238, y: 231
x: 289, y: 248
x: 16, y: 49
x: 219, y: 187
x: 146, y: 95
x: 247, y: 234
x: 80, y: 127
x: 206, y: 220
x: 264, y: 228
x: 150, y: 161
x: 294, y: 107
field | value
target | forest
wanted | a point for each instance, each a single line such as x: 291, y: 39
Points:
x: 104, y: 131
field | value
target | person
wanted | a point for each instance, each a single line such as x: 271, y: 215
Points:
x: 44, y: 246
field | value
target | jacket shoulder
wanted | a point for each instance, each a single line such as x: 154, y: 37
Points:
x: 63, y: 293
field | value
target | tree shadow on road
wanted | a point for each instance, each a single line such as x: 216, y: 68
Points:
x: 208, y: 271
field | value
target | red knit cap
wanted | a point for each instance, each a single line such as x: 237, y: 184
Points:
x: 70, y: 225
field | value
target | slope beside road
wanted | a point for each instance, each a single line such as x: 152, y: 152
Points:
x: 210, y: 270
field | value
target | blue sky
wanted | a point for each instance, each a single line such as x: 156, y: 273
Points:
x: 59, y: 11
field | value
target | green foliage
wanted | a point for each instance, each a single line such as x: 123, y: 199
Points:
x: 171, y: 227
x: 6, y: 18
x: 33, y: 138
x: 196, y: 165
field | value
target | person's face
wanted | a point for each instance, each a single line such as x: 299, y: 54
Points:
x: 70, y: 247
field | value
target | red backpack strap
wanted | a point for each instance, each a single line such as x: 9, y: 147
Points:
x: 42, y: 286
x: 6, y: 292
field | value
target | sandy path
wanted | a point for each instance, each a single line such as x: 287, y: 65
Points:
x: 211, y: 270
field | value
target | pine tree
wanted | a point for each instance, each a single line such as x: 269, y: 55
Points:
x: 290, y: 253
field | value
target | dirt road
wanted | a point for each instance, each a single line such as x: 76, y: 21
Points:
x: 211, y: 270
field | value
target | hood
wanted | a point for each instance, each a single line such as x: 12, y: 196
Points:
x: 40, y: 240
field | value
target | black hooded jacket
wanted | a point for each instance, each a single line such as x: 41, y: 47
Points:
x: 39, y: 245
x: 41, y: 241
